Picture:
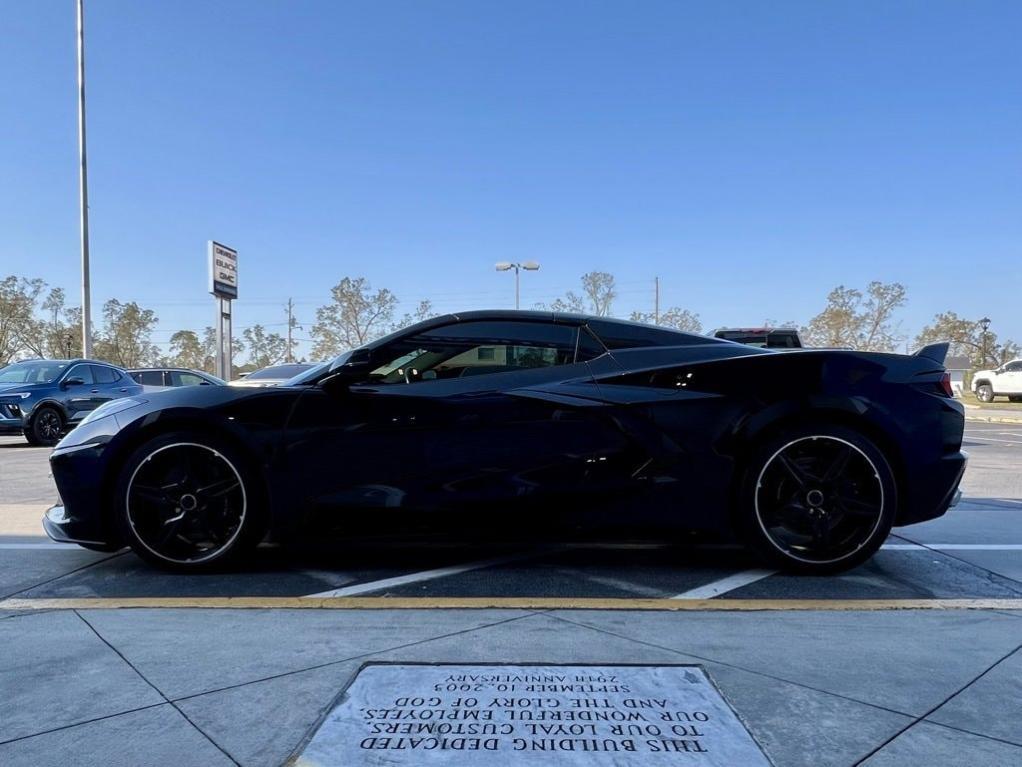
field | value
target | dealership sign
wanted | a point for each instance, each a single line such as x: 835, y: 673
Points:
x: 500, y: 715
x: 223, y: 271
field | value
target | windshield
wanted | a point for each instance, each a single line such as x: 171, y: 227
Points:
x: 277, y: 372
x: 32, y: 372
x: 310, y: 375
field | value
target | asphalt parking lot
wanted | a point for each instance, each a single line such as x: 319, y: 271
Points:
x: 821, y: 670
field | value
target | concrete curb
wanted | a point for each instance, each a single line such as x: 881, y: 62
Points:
x: 992, y: 419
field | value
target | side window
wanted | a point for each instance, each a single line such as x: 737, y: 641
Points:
x: 476, y: 348
x: 104, y: 375
x: 589, y: 347
x: 177, y: 378
x: 149, y: 377
x: 626, y: 335
x: 81, y: 371
x: 1015, y: 367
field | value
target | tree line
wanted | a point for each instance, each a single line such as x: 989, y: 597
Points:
x: 35, y: 321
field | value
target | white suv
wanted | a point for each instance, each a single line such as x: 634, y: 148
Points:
x: 1005, y: 380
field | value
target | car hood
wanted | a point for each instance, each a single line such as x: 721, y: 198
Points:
x: 979, y: 373
x: 5, y: 387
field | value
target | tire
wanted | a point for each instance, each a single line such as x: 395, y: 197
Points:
x: 1015, y: 398
x: 46, y: 428
x: 30, y: 437
x: 985, y: 393
x: 189, y: 502
x: 816, y: 499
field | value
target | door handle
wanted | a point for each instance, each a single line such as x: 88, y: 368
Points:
x: 94, y: 391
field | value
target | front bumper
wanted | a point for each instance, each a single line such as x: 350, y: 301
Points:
x: 64, y: 528
x: 79, y: 517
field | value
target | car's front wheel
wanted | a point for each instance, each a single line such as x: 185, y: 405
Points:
x: 985, y: 393
x: 188, y: 502
x: 817, y: 499
x: 46, y: 427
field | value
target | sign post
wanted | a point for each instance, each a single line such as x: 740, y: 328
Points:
x: 223, y: 284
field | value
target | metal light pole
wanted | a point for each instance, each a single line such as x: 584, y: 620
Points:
x: 985, y: 323
x: 529, y: 266
x: 84, y: 190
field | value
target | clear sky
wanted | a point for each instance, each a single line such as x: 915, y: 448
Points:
x: 752, y: 154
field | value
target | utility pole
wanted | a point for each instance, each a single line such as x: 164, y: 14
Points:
x: 656, y: 300
x: 84, y: 190
x: 290, y: 322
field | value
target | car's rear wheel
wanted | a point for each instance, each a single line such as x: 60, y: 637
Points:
x: 817, y: 499
x: 188, y: 502
x: 46, y: 427
x: 985, y: 393
x: 1015, y: 398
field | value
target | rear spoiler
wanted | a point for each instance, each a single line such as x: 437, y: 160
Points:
x: 935, y: 352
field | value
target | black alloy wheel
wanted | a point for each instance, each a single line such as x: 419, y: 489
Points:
x: 47, y: 427
x: 822, y: 500
x: 185, y: 503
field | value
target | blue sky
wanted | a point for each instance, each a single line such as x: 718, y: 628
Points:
x: 753, y: 155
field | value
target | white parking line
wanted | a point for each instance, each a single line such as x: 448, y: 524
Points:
x: 724, y: 585
x: 953, y: 546
x: 425, y: 575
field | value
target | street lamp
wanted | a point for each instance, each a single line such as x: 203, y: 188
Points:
x: 506, y: 266
x: 984, y: 323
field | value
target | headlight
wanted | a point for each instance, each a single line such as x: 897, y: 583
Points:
x: 18, y: 394
x: 110, y: 408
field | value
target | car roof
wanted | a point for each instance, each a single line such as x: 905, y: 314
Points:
x: 182, y: 370
x: 527, y: 315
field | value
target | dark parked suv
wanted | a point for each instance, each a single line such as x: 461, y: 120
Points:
x: 43, y: 398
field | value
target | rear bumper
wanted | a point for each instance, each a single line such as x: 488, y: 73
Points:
x: 11, y: 425
x: 935, y: 490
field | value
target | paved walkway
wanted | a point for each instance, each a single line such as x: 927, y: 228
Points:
x: 210, y: 687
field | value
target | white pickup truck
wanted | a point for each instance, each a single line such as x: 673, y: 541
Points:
x: 1004, y: 381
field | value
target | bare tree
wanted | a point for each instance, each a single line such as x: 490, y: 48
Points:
x: 968, y: 340
x: 264, y: 349
x: 18, y: 325
x: 856, y: 320
x: 423, y: 311
x: 675, y: 317
x: 186, y: 350
x: 597, y: 296
x: 355, y: 316
x: 126, y: 336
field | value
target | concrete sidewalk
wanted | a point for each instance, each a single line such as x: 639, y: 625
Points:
x: 210, y: 687
x: 993, y: 414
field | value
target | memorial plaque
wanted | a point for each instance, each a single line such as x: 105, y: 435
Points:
x: 418, y: 714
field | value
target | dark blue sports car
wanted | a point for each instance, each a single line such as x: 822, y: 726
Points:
x: 42, y: 399
x: 527, y: 422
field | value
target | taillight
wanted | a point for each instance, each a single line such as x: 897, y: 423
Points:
x: 945, y: 385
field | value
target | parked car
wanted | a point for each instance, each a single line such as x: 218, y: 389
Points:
x: 1003, y: 381
x: 274, y: 375
x: 157, y: 379
x: 769, y: 338
x: 501, y: 422
x: 43, y: 398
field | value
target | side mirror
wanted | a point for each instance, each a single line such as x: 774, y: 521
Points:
x: 74, y: 381
x: 353, y: 370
